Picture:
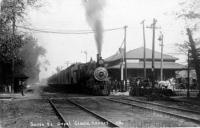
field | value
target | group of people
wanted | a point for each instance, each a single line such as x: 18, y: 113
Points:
x: 118, y: 86
x: 7, y: 88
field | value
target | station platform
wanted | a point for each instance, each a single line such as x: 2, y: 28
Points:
x: 11, y: 96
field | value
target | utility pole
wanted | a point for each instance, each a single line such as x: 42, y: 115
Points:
x: 13, y: 41
x: 188, y: 86
x: 125, y: 76
x: 122, y: 63
x: 161, y: 65
x: 144, y: 57
x: 153, y: 27
x: 153, y: 52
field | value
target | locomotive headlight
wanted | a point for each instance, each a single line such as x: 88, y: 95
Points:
x: 101, y: 74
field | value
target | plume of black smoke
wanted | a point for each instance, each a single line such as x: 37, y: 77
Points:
x: 94, y: 9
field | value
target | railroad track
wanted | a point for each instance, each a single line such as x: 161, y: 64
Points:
x: 65, y: 122
x: 185, y: 114
x: 61, y: 118
x: 161, y: 105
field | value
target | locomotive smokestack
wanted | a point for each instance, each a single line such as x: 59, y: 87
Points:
x: 98, y: 57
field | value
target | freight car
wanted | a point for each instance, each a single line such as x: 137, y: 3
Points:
x: 90, y: 78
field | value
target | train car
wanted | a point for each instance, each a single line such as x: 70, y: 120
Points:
x: 90, y: 78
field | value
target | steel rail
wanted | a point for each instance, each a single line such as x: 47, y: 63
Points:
x: 59, y: 115
x: 110, y: 123
x: 160, y: 105
x: 155, y: 110
x: 186, y: 101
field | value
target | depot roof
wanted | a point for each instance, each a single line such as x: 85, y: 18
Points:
x: 138, y: 53
x: 157, y: 65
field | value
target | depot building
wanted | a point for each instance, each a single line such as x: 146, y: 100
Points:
x: 135, y: 64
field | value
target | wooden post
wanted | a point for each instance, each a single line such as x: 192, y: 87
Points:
x: 161, y: 64
x: 144, y: 56
x: 153, y: 53
x: 153, y: 27
x: 188, y: 86
x: 13, y: 41
x: 125, y: 76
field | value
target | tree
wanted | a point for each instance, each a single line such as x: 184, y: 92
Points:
x: 13, y: 43
x: 29, y: 54
x: 9, y: 46
x: 15, y: 10
x: 195, y: 55
x: 12, y: 12
x: 191, y: 14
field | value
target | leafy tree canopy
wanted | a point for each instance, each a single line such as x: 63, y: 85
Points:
x: 191, y: 14
x: 30, y: 54
x: 21, y: 48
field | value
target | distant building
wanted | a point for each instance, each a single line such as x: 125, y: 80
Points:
x: 135, y: 64
x: 6, y: 78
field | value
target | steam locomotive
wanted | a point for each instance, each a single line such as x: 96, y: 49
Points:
x: 89, y: 78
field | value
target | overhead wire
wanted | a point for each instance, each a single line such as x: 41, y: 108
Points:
x: 68, y: 31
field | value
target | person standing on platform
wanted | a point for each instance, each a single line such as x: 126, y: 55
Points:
x: 22, y: 88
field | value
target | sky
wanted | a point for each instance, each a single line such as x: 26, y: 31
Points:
x: 69, y: 15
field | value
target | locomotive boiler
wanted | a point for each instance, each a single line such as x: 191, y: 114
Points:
x: 89, y: 78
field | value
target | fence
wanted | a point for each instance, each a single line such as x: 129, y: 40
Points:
x: 183, y: 92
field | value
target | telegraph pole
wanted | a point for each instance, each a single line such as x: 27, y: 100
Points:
x: 144, y: 57
x: 153, y: 52
x: 188, y: 86
x: 125, y: 76
x: 161, y: 65
x: 122, y: 64
x: 153, y: 27
x: 13, y: 41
